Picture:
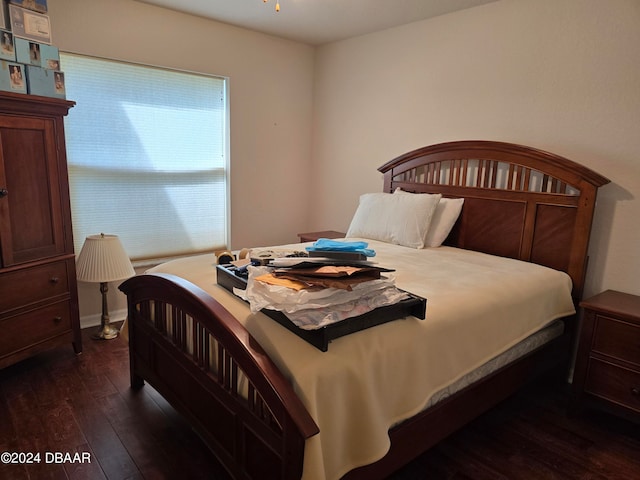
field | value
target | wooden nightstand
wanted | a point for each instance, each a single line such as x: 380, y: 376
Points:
x: 313, y: 236
x: 608, y: 359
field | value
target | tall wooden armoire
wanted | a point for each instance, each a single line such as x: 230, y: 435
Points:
x: 38, y: 287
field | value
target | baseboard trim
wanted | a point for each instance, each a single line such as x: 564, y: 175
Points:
x: 89, y: 321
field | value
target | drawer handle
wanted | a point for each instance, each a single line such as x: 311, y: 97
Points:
x: 3, y: 192
x: 635, y: 391
x: 54, y: 280
x: 57, y: 319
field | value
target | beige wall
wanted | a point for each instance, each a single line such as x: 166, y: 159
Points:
x: 559, y: 75
x: 310, y: 126
x: 270, y: 86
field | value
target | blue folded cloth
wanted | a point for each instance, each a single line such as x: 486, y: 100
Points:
x: 327, y: 245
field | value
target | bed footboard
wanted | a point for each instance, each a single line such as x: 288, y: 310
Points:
x: 205, y: 363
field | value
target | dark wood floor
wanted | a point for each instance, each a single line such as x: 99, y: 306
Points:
x: 58, y: 402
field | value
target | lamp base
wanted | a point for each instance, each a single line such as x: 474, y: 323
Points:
x: 106, y: 332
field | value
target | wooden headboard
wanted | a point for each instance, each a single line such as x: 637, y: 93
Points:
x: 520, y: 202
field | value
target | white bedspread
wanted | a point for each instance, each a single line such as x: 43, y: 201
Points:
x: 477, y: 307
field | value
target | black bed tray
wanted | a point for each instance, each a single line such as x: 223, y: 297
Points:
x: 320, y: 338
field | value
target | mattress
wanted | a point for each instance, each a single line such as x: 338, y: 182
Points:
x: 519, y: 350
x: 479, y: 307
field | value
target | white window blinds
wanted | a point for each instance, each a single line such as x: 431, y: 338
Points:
x: 146, y: 149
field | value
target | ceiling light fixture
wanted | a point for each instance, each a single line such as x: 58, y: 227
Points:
x: 277, y: 4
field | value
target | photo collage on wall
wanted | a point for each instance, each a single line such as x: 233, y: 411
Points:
x: 29, y: 62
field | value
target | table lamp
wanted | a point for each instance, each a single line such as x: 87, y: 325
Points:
x: 103, y: 259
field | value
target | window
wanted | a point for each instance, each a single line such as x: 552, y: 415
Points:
x: 147, y: 158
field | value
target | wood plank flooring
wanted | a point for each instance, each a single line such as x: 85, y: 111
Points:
x: 60, y: 404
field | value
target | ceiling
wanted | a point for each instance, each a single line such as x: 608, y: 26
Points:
x: 316, y: 22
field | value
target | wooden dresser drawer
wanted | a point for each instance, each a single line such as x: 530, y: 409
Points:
x: 31, y: 285
x: 618, y: 339
x: 29, y: 328
x: 613, y: 383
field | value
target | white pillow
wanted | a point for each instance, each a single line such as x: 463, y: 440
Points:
x: 447, y: 212
x: 398, y: 219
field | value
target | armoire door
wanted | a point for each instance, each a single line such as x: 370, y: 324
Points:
x: 31, y: 223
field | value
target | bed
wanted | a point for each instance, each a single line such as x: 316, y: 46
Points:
x: 269, y: 405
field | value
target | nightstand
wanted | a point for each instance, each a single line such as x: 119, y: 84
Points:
x: 608, y: 358
x: 313, y: 236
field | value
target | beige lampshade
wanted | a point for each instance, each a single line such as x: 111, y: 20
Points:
x: 103, y: 259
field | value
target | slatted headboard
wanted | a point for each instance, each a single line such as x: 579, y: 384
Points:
x: 520, y: 202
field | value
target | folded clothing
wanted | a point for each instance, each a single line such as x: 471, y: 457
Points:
x: 317, y: 307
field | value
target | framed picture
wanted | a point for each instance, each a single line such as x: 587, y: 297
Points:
x: 30, y: 25
x: 39, y: 6
x: 7, y: 46
x: 59, y: 89
x: 4, y: 16
x: 12, y: 77
x: 16, y: 75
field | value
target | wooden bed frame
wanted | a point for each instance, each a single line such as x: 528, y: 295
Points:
x: 519, y: 202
